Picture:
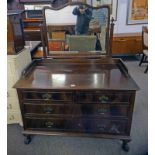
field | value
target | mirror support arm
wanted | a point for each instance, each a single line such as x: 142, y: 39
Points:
x: 43, y: 40
x: 111, y: 36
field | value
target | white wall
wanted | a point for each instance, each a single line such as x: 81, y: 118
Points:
x: 62, y: 17
x: 120, y: 24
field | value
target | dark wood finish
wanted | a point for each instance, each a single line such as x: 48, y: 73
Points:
x: 127, y: 43
x: 15, y: 37
x: 88, y: 94
x: 110, y: 68
x: 77, y: 97
x: 32, y: 35
x: 79, y: 124
x: 67, y: 108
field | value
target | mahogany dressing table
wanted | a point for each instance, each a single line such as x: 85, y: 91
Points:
x: 78, y: 94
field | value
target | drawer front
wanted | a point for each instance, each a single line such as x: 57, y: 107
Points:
x: 84, y: 125
x: 53, y: 124
x: 99, y: 110
x: 80, y: 110
x: 99, y: 97
x: 47, y: 96
x: 48, y: 109
x: 115, y: 127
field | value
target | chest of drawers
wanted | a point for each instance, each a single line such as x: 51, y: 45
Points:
x: 57, y: 102
x: 80, y: 111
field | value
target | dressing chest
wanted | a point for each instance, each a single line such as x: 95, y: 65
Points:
x: 76, y: 93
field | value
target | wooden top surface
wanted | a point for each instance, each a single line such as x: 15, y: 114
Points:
x: 77, y: 74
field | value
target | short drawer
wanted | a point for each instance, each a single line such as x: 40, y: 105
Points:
x: 47, y: 96
x: 83, y: 125
x: 101, y: 110
x: 49, y: 109
x: 114, y: 127
x: 77, y: 109
x: 102, y: 97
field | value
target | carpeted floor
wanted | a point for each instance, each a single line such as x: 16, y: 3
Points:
x: 56, y: 145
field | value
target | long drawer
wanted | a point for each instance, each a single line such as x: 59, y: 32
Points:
x: 80, y: 97
x: 103, y: 97
x: 47, y: 96
x: 77, y: 109
x: 84, y: 125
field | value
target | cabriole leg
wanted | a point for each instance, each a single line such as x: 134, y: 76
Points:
x: 125, y: 145
x: 27, y: 139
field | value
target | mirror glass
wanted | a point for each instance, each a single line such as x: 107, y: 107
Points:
x: 77, y: 29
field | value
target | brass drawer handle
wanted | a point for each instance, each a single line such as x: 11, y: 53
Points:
x: 49, y: 124
x: 102, y: 111
x: 48, y: 110
x: 114, y: 129
x: 101, y: 126
x: 47, y: 96
x: 103, y: 98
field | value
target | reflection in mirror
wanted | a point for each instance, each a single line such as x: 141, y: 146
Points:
x: 77, y: 28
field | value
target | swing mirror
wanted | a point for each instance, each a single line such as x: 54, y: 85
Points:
x: 76, y: 28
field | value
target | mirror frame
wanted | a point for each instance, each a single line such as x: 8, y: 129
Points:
x: 109, y: 33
